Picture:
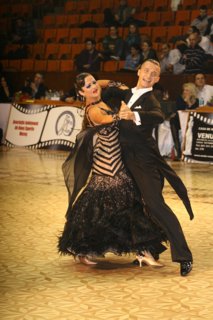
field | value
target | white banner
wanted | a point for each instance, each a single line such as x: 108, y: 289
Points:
x: 43, y: 126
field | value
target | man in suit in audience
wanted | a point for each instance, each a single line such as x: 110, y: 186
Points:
x: 139, y: 115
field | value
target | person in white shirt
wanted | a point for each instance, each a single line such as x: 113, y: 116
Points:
x: 205, y: 91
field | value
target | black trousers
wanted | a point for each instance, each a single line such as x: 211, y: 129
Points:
x: 149, y: 181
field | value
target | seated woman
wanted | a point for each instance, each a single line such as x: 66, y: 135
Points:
x: 187, y: 100
x: 105, y: 212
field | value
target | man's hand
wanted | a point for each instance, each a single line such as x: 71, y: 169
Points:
x: 125, y: 112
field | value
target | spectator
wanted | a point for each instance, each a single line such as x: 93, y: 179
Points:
x: 174, y: 66
x: 124, y: 14
x: 205, y: 91
x: 133, y: 37
x: 209, y: 28
x: 113, y: 37
x: 23, y: 32
x: 194, y: 56
x: 70, y: 96
x: 133, y: 59
x: 209, y: 50
x: 88, y: 60
x: 202, y: 41
x: 164, y: 57
x: 110, y: 53
x: 187, y: 100
x: 147, y: 51
x: 6, y: 93
x: 201, y: 22
x: 26, y: 90
x: 38, y: 87
x: 175, y: 4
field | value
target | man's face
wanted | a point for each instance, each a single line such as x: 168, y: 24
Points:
x: 193, y: 40
x: 38, y: 79
x: 200, y: 80
x: 89, y: 46
x: 203, y: 12
x: 148, y: 75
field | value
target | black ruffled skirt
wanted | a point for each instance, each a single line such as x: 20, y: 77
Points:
x: 108, y: 216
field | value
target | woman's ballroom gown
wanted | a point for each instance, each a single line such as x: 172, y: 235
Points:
x: 108, y: 215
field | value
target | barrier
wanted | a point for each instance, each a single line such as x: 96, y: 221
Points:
x: 44, y: 124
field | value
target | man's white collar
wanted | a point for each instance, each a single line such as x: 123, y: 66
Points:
x: 141, y: 91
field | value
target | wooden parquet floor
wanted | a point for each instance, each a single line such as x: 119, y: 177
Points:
x: 36, y: 283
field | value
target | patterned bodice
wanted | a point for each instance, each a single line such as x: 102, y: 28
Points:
x: 107, y: 151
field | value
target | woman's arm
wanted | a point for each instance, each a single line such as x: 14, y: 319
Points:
x: 110, y: 83
x: 100, y: 115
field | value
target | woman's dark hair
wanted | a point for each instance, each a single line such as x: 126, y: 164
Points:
x: 80, y: 83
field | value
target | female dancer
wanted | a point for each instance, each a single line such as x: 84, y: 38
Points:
x: 105, y: 212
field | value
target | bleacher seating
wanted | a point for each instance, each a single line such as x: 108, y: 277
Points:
x: 60, y: 36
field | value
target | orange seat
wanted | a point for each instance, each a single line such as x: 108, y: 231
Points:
x: 183, y: 17
x: 70, y: 6
x: 146, y: 30
x: 14, y: 65
x: 194, y: 14
x: 167, y: 18
x: 75, y: 35
x: 109, y: 66
x: 87, y: 33
x: 147, y: 5
x: 72, y: 20
x: 62, y: 34
x: 66, y: 65
x: 5, y: 63
x: 40, y: 65
x: 188, y: 4
x: 48, y: 21
x: 207, y: 3
x: 153, y: 18
x: 85, y: 17
x: 100, y: 33
x: 161, y: 5
x: 94, y: 6
x: 82, y: 6
x: 38, y: 50
x: 49, y: 35
x: 76, y: 49
x: 64, y: 51
x: 106, y: 4
x: 159, y: 34
x: 172, y: 32
x: 61, y: 20
x: 98, y: 18
x: 121, y: 64
x: 53, y: 65
x: 51, y: 51
x: 27, y: 64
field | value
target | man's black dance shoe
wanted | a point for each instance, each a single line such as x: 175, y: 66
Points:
x: 185, y: 268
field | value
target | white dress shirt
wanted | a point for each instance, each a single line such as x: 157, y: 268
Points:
x: 136, y: 94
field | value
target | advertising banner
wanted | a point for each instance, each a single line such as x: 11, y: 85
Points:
x: 39, y: 126
x: 199, y: 137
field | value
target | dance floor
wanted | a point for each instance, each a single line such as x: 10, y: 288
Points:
x: 37, y: 283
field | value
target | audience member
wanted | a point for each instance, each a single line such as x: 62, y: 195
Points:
x: 23, y: 31
x: 113, y: 37
x: 147, y: 52
x: 201, y: 21
x: 194, y: 56
x: 202, y: 41
x: 88, y: 60
x: 38, y: 87
x: 6, y: 93
x: 205, y: 91
x: 209, y: 28
x: 132, y: 38
x: 164, y: 57
x: 187, y: 100
x: 124, y: 13
x: 174, y: 66
x: 133, y: 59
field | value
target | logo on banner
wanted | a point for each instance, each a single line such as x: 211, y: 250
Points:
x: 65, y: 124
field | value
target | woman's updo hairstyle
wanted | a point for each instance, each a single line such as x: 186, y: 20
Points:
x: 80, y: 83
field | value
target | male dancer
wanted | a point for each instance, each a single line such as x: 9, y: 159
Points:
x: 139, y: 116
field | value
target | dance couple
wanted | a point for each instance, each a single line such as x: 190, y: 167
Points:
x: 116, y: 203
